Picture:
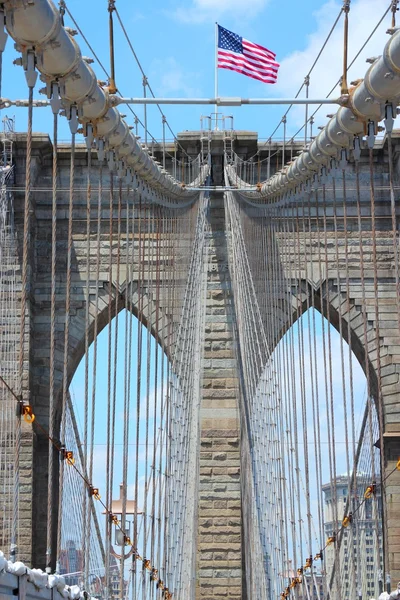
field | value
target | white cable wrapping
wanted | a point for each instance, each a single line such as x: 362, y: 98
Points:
x: 41, y: 580
x: 36, y: 27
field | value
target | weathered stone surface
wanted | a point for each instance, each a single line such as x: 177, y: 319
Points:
x: 220, y: 494
x: 220, y: 463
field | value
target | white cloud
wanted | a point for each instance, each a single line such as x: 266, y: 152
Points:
x: 200, y: 11
x: 172, y: 78
x: 363, y: 17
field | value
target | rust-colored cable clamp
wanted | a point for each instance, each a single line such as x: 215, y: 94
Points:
x: 93, y: 491
x: 68, y: 456
x: 147, y: 564
x: 26, y: 411
x: 347, y: 520
x: 331, y: 540
x: 319, y: 556
x: 370, y: 491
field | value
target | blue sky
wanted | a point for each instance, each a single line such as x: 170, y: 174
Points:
x: 175, y: 43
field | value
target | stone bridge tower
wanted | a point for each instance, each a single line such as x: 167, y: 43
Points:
x: 221, y: 547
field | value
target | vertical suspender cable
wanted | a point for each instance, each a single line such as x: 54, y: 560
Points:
x: 66, y: 341
x: 50, y: 494
x: 127, y: 367
x: 109, y: 389
x: 394, y: 9
x: 269, y: 159
x: 163, y: 137
x: 112, y: 87
x: 86, y: 393
x: 22, y: 339
x: 145, y: 109
x: 307, y: 85
x: 346, y: 9
x: 95, y: 341
x: 140, y: 263
x: 284, y: 120
x: 379, y: 398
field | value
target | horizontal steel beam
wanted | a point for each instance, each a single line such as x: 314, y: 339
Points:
x: 116, y: 100
x: 6, y: 103
x: 221, y: 101
x: 222, y: 188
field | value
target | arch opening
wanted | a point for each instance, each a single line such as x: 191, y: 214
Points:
x: 312, y: 428
x: 116, y: 425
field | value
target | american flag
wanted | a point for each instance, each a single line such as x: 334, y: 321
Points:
x: 237, y: 54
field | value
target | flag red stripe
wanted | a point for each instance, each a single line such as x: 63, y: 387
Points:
x: 257, y: 47
x: 257, y: 57
x: 241, y: 60
x: 262, y: 64
x: 257, y: 52
x: 242, y: 68
x: 254, y: 76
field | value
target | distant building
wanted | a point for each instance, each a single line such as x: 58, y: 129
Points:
x: 115, y: 579
x: 71, y: 566
x: 315, y: 585
x: 361, y: 542
x: 71, y: 561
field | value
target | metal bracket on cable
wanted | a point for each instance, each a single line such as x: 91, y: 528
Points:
x: 6, y: 103
x: 394, y: 8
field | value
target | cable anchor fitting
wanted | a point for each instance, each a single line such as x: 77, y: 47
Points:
x: 67, y: 455
x: 309, y: 562
x: 357, y: 149
x: 114, y: 519
x: 331, y: 540
x: 394, y: 8
x: 31, y: 74
x: 93, y: 491
x: 347, y: 520
x: 390, y: 115
x: 371, y: 133
x: 27, y: 412
x: 147, y: 564
x: 62, y: 8
x: 370, y: 491
x: 319, y: 556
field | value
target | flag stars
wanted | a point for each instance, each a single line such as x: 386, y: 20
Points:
x: 227, y: 40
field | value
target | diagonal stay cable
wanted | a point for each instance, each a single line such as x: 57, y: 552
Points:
x: 139, y: 64
x: 311, y: 68
x: 350, y: 65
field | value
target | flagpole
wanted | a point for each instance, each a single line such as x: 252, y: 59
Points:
x: 216, y: 74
